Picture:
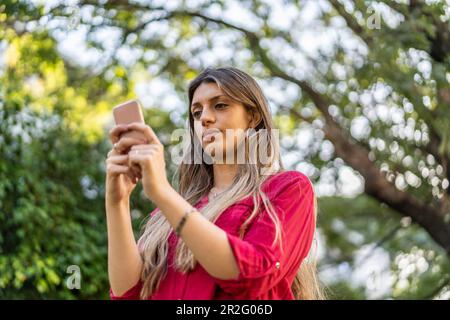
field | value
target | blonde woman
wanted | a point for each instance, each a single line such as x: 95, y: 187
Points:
x: 234, y: 230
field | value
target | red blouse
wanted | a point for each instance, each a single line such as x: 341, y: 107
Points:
x: 265, y: 271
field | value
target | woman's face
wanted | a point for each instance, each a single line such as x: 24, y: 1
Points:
x: 212, y: 110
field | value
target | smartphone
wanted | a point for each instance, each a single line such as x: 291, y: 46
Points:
x: 128, y: 112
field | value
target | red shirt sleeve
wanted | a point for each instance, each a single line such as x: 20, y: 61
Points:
x: 262, y: 265
x: 131, y: 294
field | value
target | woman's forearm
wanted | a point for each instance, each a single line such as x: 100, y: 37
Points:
x: 208, y: 242
x: 124, y: 260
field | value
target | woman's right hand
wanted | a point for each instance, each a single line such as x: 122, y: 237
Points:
x: 120, y: 178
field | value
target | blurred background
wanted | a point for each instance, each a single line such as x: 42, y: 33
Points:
x: 359, y: 89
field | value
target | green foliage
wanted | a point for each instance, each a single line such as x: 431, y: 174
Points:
x: 417, y: 268
x: 54, y: 115
x: 53, y: 149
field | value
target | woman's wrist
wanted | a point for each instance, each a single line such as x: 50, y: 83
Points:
x: 164, y: 193
x: 117, y: 205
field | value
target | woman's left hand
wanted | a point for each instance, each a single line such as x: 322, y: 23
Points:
x: 150, y: 159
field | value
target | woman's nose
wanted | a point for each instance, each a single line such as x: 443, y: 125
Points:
x: 207, y: 116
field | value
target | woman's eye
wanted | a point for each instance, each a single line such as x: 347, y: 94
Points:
x: 222, y: 105
x: 196, y: 114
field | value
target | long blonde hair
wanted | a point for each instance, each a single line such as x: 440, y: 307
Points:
x: 196, y: 179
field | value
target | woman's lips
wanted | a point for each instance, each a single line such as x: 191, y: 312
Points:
x: 209, y: 137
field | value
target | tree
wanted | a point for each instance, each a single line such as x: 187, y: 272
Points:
x: 376, y: 98
x: 53, y: 147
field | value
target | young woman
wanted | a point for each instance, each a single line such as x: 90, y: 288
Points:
x: 234, y: 230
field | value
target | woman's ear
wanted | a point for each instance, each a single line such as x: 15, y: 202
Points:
x: 255, y: 118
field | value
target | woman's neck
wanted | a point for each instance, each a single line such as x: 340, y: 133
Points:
x: 224, y: 175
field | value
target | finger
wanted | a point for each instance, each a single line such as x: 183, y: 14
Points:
x: 116, y: 131
x: 145, y: 147
x: 126, y: 143
x: 118, y: 159
x: 138, y: 159
x: 111, y: 153
x: 116, y: 170
x: 133, y: 172
x: 146, y: 130
x: 136, y: 170
x: 123, y: 159
x: 114, y: 152
x: 145, y: 152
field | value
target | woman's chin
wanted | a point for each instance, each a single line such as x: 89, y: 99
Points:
x: 208, y: 148
x: 212, y: 152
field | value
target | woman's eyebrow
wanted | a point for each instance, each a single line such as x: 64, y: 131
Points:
x: 211, y: 99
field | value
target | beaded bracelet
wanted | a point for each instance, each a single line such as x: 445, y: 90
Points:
x: 183, y: 220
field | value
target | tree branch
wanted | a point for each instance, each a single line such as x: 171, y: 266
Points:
x: 351, y: 21
x: 376, y: 185
x: 349, y: 150
x: 443, y: 32
x: 436, y: 291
